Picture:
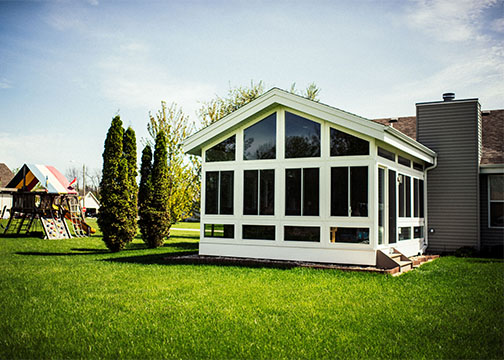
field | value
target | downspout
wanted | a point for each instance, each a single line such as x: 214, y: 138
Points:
x: 426, y: 217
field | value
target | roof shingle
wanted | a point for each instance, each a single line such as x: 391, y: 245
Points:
x: 492, y: 124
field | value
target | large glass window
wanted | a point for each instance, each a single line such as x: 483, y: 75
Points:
x: 219, y: 189
x: 302, y: 192
x: 418, y: 232
x: 259, y: 140
x: 349, y: 186
x: 418, y: 200
x: 219, y: 231
x: 259, y: 192
x: 386, y: 154
x: 302, y: 137
x: 223, y: 151
x: 496, y: 200
x: 404, y: 233
x: 259, y: 232
x: 403, y: 161
x: 417, y: 166
x: 349, y: 235
x: 343, y: 144
x: 404, y: 196
x: 302, y: 233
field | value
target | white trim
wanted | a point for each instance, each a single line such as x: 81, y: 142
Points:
x: 274, y: 97
x: 492, y: 169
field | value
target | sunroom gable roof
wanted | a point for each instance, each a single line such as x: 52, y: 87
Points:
x: 275, y: 97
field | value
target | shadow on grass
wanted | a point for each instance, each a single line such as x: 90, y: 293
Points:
x: 151, y: 259
x: 183, y: 245
x: 192, y: 258
x: 37, y: 253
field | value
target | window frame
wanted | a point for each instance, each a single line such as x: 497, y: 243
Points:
x: 348, y: 192
x: 490, y: 201
x: 235, y: 136
x: 259, y: 194
x: 302, y: 191
x: 284, y: 140
x: 219, y: 192
x: 274, y: 114
x: 350, y: 136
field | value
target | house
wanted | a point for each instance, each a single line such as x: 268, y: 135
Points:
x: 292, y: 179
x: 90, y: 203
x: 5, y: 198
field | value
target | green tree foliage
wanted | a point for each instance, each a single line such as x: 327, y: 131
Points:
x: 145, y: 193
x: 311, y: 92
x: 183, y: 170
x: 130, y: 155
x: 113, y: 215
x: 156, y: 214
x: 237, y: 97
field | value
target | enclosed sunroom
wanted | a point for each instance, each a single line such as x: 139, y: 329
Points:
x: 288, y: 178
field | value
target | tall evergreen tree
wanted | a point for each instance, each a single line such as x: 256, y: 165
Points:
x: 158, y: 213
x: 130, y: 154
x: 111, y: 218
x: 145, y: 193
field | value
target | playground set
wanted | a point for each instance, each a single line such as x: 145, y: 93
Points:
x: 41, y: 193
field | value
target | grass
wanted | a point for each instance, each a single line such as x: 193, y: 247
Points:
x: 74, y: 299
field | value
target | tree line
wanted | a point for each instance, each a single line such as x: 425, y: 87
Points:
x: 170, y: 180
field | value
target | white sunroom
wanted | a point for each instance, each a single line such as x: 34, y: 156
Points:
x: 288, y: 178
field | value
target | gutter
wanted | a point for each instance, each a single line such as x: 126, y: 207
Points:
x: 426, y: 213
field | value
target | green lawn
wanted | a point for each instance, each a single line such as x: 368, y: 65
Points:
x: 73, y: 299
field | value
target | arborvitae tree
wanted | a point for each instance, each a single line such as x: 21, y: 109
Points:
x: 158, y: 214
x: 145, y: 193
x: 114, y: 193
x: 130, y: 154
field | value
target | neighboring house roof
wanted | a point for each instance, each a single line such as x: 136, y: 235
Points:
x: 275, y: 97
x: 5, y: 175
x: 48, y: 177
x: 492, y: 124
x: 91, y: 201
x: 492, y: 151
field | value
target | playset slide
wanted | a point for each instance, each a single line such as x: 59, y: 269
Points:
x: 85, y: 226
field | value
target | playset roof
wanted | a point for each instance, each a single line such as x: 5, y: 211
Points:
x: 48, y: 177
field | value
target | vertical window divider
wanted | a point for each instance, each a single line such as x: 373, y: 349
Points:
x: 218, y: 193
x: 258, y: 192
x: 349, y: 191
x: 302, y: 191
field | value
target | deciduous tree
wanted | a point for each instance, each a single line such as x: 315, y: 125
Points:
x: 182, y: 170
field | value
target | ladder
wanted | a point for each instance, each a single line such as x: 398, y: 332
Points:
x: 76, y: 217
x: 19, y: 223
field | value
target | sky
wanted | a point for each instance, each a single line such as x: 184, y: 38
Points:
x: 68, y: 67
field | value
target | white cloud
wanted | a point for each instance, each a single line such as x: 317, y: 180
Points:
x: 5, y: 84
x: 449, y: 20
x: 17, y: 149
x: 498, y: 25
x: 135, y: 79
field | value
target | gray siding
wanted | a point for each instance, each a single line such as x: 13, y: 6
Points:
x: 490, y: 237
x: 452, y: 129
